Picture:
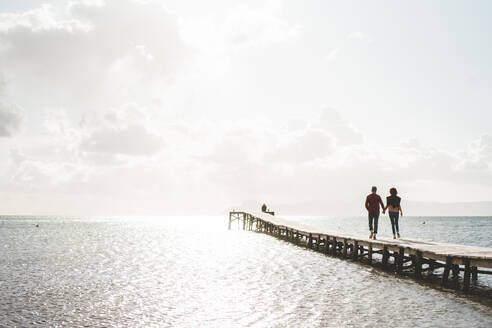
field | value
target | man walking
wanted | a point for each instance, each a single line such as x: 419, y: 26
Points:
x: 372, y: 205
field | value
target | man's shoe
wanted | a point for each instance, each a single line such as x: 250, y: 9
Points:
x: 370, y: 237
x: 398, y: 235
x: 374, y: 237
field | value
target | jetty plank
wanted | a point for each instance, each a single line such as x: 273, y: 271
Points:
x: 394, y: 252
x: 459, y: 253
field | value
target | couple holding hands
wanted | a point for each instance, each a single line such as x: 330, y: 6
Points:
x: 373, y: 201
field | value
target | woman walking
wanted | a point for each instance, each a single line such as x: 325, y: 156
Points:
x: 394, y: 210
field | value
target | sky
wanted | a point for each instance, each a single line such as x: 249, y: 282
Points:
x: 136, y: 107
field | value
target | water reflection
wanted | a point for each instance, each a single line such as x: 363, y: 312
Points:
x: 192, y: 272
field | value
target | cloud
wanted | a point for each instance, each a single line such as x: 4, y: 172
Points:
x: 240, y: 27
x: 471, y: 166
x: 332, y: 56
x: 91, y: 53
x: 129, y: 140
x: 251, y: 27
x: 296, y: 125
x: 11, y: 118
x: 359, y: 36
x: 302, y: 146
x: 332, y: 122
x: 248, y: 143
x: 122, y: 131
x: 34, y: 174
x: 93, y: 58
x: 204, y: 163
x: 46, y: 17
x: 232, y: 150
x: 478, y: 156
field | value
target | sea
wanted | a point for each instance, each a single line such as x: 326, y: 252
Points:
x: 191, y: 271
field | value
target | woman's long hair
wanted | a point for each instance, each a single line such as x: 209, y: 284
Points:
x: 393, y: 191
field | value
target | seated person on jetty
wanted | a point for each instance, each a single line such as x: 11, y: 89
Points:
x: 264, y: 209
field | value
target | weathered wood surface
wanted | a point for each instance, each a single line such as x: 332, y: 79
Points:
x: 478, y: 256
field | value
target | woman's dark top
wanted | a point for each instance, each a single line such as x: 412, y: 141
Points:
x: 393, y: 201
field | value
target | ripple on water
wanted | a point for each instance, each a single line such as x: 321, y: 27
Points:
x: 193, y: 273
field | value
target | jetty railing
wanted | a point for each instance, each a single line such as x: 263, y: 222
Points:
x: 419, y: 259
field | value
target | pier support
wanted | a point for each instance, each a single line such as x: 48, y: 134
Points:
x: 466, y: 278
x: 385, y: 257
x: 474, y: 271
x: 399, y: 261
x: 430, y: 270
x: 369, y: 254
x: 327, y: 244
x: 418, y: 265
x: 445, y: 274
x: 456, y: 276
x: 465, y: 260
x: 355, y: 250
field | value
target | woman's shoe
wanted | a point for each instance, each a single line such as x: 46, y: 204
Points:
x: 374, y: 237
x: 398, y: 235
x: 394, y: 236
x: 370, y: 237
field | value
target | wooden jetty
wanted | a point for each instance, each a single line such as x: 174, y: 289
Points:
x: 424, y: 260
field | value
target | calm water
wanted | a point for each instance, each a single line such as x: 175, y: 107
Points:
x: 192, y: 272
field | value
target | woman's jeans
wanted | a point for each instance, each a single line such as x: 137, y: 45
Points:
x: 394, y: 221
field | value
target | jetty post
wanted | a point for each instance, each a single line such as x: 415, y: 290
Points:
x: 393, y: 255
